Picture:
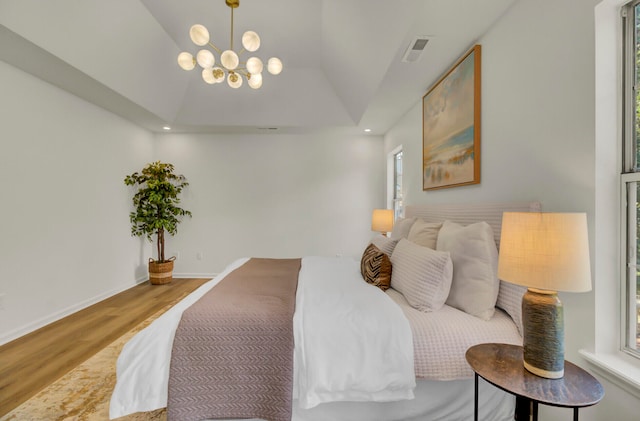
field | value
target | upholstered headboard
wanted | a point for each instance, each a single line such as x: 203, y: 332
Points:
x: 469, y: 213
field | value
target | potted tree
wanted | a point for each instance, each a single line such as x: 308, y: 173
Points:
x: 157, y: 212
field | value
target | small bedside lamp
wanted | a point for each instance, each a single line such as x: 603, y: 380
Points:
x: 546, y: 252
x: 382, y: 221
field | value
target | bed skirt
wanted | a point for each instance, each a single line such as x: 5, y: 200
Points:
x: 434, y: 401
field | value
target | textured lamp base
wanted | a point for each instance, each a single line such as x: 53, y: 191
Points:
x: 543, y: 339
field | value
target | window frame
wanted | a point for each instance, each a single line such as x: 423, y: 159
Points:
x: 628, y: 239
x: 391, y: 182
x: 629, y: 176
x: 398, y: 205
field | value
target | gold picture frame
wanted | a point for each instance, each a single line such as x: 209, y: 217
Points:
x: 451, y: 126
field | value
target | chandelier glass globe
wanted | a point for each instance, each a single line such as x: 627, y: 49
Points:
x: 205, y: 59
x: 229, y: 59
x: 274, y: 66
x: 218, y: 75
x: 255, y: 80
x: 234, y: 80
x: 254, y: 65
x: 207, y: 76
x: 250, y: 41
x: 199, y: 35
x: 186, y: 61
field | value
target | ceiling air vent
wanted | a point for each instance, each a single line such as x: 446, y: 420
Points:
x: 415, y: 49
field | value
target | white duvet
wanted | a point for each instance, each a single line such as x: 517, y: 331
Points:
x: 352, y: 343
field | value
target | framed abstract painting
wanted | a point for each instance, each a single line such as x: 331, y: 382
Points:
x: 451, y: 126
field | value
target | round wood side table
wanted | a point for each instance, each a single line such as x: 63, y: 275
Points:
x: 502, y: 366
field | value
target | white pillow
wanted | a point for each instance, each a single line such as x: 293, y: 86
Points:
x: 425, y: 233
x: 475, y: 284
x: 422, y: 275
x: 384, y: 244
x: 401, y: 228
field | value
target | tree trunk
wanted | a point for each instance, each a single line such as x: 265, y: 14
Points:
x: 161, y: 244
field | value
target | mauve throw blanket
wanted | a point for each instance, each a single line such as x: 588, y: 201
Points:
x: 232, y: 354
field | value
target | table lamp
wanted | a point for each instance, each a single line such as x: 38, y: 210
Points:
x: 382, y: 221
x: 546, y: 252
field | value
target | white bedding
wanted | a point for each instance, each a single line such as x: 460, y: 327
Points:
x: 441, y: 338
x: 329, y: 365
x: 353, y: 343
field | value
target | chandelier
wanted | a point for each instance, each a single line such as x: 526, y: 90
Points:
x: 230, y: 67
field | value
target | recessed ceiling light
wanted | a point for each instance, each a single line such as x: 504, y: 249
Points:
x: 367, y: 130
x: 166, y: 128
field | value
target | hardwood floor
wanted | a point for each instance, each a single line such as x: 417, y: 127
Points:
x: 32, y: 362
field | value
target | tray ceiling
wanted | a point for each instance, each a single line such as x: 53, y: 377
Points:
x: 343, y: 65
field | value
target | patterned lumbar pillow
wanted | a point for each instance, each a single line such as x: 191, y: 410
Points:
x: 375, y: 267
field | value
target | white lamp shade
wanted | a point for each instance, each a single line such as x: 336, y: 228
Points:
x: 254, y: 65
x: 382, y: 220
x: 229, y: 59
x: 199, y: 35
x: 186, y: 61
x: 234, y: 80
x: 548, y: 251
x: 250, y: 41
x: 274, y: 66
x: 207, y: 76
x: 255, y: 81
x: 205, y: 59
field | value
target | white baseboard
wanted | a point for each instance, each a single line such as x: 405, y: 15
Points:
x: 43, y: 321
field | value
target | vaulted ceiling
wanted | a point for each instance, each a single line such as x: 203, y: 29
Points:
x: 342, y: 59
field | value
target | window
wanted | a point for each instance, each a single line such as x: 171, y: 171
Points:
x: 630, y: 178
x: 398, y: 208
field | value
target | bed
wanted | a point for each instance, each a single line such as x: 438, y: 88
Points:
x: 403, y: 358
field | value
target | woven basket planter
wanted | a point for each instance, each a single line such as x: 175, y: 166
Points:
x: 160, y: 273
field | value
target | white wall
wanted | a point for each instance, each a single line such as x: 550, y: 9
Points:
x: 276, y: 195
x: 64, y: 231
x: 538, y: 143
x: 64, y: 228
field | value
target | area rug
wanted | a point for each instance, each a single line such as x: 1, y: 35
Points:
x: 83, y: 394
